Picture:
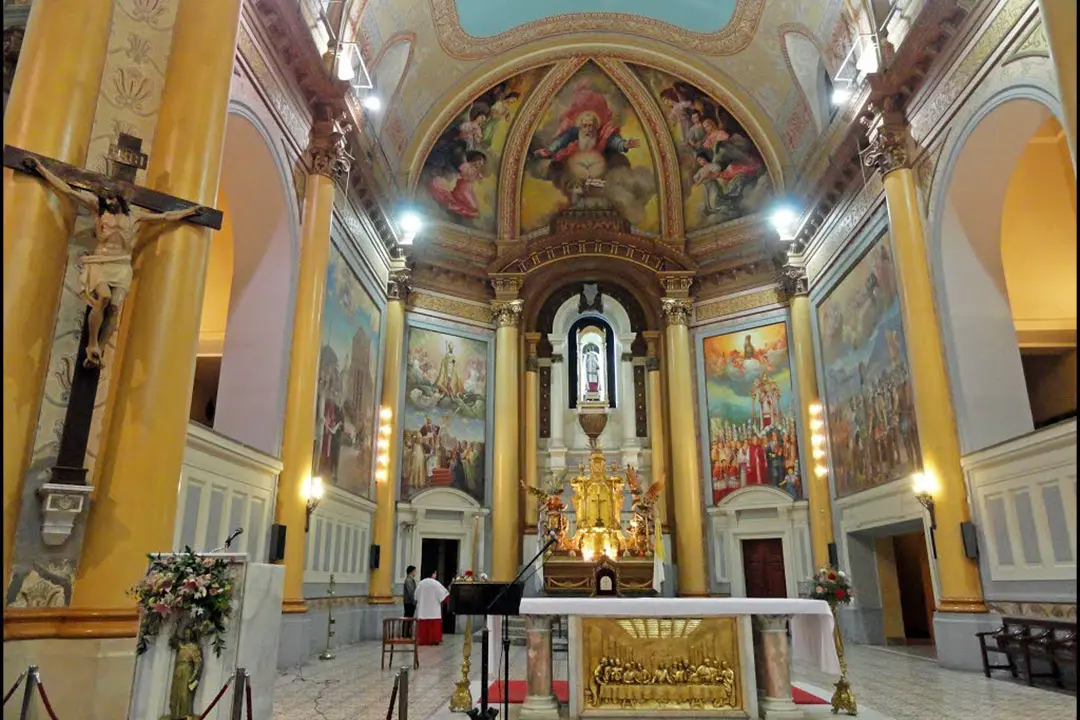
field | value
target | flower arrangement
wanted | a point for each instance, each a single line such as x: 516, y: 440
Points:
x: 832, y: 586
x: 468, y: 576
x: 196, y: 592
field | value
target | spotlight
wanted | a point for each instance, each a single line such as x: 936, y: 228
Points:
x: 410, y: 223
x: 840, y: 96
x: 784, y: 219
x: 372, y: 103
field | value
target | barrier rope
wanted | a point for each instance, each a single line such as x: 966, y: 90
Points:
x: 247, y: 695
x: 221, y: 692
x: 393, y: 698
x: 45, y: 700
x: 18, y: 682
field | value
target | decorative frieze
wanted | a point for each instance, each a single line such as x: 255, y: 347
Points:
x: 676, y: 310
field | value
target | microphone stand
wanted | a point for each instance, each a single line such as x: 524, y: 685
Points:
x: 490, y: 713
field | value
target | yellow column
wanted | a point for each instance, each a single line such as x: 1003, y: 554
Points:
x: 821, y: 529
x: 50, y: 111
x: 657, y: 437
x: 1059, y: 22
x: 685, y: 463
x: 380, y: 587
x: 960, y: 588
x: 532, y: 426
x: 301, y: 390
x: 505, y: 539
x: 142, y: 448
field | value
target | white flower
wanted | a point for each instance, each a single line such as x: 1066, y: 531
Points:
x: 840, y: 573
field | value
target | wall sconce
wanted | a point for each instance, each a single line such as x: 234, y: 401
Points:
x: 382, y: 444
x: 817, y: 439
x: 313, y: 494
x: 923, y: 486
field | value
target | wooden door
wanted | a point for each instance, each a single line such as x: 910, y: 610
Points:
x: 763, y: 568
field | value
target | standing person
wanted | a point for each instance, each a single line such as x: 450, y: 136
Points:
x: 430, y: 595
x: 410, y: 591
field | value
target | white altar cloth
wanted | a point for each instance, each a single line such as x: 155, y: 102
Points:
x: 811, y: 620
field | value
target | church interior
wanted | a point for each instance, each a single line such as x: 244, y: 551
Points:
x: 423, y: 358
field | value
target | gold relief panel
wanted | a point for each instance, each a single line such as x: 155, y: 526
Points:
x: 738, y: 303
x: 661, y: 664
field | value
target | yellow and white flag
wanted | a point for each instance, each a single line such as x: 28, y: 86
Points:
x: 658, y: 553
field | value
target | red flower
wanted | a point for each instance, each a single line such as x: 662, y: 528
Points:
x: 832, y: 576
x: 468, y: 573
x: 840, y: 594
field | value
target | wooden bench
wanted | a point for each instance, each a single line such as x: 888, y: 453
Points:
x: 1023, y: 640
x: 399, y: 632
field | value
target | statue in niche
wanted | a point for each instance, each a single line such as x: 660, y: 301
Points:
x: 592, y: 369
x: 106, y: 272
x: 187, y: 673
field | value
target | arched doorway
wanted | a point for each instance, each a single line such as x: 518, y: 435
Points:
x: 1004, y: 257
x: 247, y: 304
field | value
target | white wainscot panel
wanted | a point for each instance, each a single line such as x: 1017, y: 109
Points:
x: 225, y: 485
x: 338, y: 539
x: 1024, y: 493
x: 760, y: 512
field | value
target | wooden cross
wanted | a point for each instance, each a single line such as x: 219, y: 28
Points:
x: 125, y: 158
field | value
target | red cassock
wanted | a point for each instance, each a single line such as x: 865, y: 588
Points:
x: 429, y: 632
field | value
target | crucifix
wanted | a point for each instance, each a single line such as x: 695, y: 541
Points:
x: 119, y: 208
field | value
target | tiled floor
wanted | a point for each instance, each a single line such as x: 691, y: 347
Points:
x: 890, y: 685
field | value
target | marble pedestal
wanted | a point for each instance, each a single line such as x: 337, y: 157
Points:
x: 540, y: 702
x: 772, y: 668
x: 251, y: 642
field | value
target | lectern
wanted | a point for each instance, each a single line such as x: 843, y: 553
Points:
x: 489, y: 598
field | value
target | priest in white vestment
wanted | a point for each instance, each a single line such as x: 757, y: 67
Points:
x: 430, y: 595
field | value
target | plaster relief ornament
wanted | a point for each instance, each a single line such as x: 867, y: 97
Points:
x: 106, y: 272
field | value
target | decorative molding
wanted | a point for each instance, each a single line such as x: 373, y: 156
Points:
x: 676, y: 310
x: 738, y: 303
x: 507, y: 312
x: 793, y: 281
x: 887, y: 134
x: 1034, y: 44
x: 328, y: 146
x: 640, y: 251
x: 56, y: 622
x: 729, y: 40
x: 449, y: 306
x: 847, y: 220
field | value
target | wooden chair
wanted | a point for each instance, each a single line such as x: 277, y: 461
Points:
x: 1004, y: 641
x: 399, y: 632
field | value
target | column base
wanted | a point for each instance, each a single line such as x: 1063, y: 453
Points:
x: 540, y: 708
x: 779, y: 709
x: 954, y: 638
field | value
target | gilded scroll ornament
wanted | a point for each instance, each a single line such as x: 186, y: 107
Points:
x: 887, y: 133
x: 506, y: 312
x: 397, y: 286
x: 676, y: 310
x: 793, y: 281
x: 328, y: 145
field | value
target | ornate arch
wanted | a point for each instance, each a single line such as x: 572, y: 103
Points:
x: 673, y: 61
x: 593, y: 243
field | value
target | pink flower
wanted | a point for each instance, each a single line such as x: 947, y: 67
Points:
x: 160, y: 608
x: 819, y: 589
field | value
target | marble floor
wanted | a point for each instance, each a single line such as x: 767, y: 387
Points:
x: 890, y: 683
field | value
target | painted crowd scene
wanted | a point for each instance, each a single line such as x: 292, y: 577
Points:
x: 445, y: 422
x: 751, y: 412
x: 868, y: 396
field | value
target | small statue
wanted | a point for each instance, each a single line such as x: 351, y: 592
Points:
x: 187, y: 672
x: 106, y: 272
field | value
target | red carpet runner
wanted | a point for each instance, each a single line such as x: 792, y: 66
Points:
x: 562, y: 692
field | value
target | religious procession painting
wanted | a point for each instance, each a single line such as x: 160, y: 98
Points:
x: 723, y: 173
x: 869, y: 404
x: 346, y: 404
x: 460, y: 179
x: 444, y: 429
x: 751, y: 411
x: 589, y: 152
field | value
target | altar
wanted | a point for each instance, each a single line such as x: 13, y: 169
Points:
x: 677, y: 657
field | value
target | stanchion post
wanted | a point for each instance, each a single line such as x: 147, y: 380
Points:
x: 403, y: 695
x: 239, y: 681
x: 32, y: 680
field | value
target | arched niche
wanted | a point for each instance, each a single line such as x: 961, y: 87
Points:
x: 808, y: 66
x: 254, y: 352
x: 982, y: 341
x: 387, y: 73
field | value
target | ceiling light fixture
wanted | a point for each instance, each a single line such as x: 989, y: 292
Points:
x: 410, y: 223
x: 841, y: 96
x: 372, y: 103
x: 784, y: 219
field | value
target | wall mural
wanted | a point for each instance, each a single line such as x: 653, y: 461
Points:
x: 723, y: 174
x: 346, y: 406
x: 868, y: 396
x: 460, y: 179
x: 445, y: 422
x: 589, y: 151
x: 751, y: 411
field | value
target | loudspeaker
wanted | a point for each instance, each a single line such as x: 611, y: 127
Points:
x: 834, y: 560
x: 373, y: 557
x: 277, y: 543
x: 970, y: 539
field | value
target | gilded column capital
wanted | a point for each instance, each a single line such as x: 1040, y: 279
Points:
x: 887, y: 133
x: 652, y: 364
x: 793, y: 281
x: 506, y: 312
x: 328, y: 145
x: 676, y: 310
x: 397, y: 286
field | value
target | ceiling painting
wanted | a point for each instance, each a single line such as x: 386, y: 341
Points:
x: 459, y: 182
x: 589, y: 151
x: 722, y: 172
x: 485, y: 18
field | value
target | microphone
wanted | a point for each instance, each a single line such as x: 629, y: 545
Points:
x: 232, y: 536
